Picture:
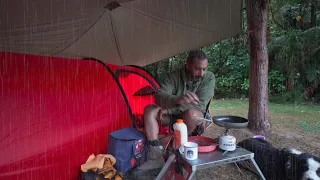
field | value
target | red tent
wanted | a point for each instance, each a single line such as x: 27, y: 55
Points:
x: 55, y: 112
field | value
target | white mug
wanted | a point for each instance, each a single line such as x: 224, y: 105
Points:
x: 190, y: 150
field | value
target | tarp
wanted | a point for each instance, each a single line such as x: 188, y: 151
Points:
x: 55, y: 112
x: 137, y: 32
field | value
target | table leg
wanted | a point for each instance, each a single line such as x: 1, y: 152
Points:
x: 239, y: 169
x: 253, y: 162
x: 191, y: 175
x: 166, y: 167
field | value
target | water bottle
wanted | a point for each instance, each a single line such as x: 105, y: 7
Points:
x: 181, y: 133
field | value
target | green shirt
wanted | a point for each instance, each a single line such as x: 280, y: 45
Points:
x: 177, y: 83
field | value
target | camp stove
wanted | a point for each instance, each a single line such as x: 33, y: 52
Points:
x: 228, y: 142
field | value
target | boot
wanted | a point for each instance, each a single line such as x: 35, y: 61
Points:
x: 153, y: 163
x: 155, y: 159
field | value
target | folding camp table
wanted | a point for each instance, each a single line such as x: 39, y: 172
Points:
x: 206, y: 160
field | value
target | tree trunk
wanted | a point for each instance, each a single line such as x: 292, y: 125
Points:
x: 313, y: 14
x: 257, y: 17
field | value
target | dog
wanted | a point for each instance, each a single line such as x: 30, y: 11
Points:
x: 284, y: 164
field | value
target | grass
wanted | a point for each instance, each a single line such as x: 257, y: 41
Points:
x: 303, y: 118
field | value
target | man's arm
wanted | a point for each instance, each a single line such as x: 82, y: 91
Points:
x: 204, y: 93
x: 164, y: 96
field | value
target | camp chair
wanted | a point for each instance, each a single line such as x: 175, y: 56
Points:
x: 203, y: 126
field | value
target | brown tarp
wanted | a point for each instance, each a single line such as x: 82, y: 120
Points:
x: 137, y: 32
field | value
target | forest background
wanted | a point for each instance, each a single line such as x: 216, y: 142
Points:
x: 294, y: 56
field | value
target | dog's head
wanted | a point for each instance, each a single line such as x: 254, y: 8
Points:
x: 301, y: 166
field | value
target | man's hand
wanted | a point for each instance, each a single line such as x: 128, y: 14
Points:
x: 161, y: 112
x: 189, y: 98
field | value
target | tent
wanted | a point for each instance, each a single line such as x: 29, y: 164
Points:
x: 55, y: 112
x: 57, y: 108
x: 122, y: 32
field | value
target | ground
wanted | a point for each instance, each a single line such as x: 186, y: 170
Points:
x: 293, y: 125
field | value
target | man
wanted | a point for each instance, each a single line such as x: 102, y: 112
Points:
x: 183, y: 94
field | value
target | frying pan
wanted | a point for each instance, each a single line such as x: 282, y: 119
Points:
x: 230, y: 121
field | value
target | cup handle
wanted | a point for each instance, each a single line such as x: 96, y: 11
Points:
x: 182, y: 149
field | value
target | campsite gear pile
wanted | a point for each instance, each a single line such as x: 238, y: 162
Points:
x: 128, y: 146
x: 100, y: 167
x: 226, y: 141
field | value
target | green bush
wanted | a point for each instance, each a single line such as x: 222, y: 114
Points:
x: 276, y: 80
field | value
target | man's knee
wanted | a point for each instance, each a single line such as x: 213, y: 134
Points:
x: 191, y: 113
x: 190, y: 116
x: 151, y: 111
x: 151, y: 108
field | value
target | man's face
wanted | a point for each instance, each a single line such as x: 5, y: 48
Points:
x: 197, y: 68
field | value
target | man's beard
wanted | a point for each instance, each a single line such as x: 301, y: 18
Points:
x: 191, y: 76
x: 197, y: 78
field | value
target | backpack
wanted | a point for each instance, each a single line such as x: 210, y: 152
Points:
x: 128, y: 146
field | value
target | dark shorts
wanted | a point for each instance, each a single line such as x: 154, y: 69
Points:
x: 173, y: 119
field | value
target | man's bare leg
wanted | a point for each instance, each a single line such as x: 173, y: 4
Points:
x: 189, y: 119
x: 151, y: 123
x: 155, y: 159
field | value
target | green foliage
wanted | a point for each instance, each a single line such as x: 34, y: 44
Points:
x: 293, y: 56
x: 313, y: 73
x: 245, y: 85
x: 276, y: 80
x: 229, y: 61
x: 289, y: 14
x: 296, y: 55
x: 161, y: 68
x: 288, y: 52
